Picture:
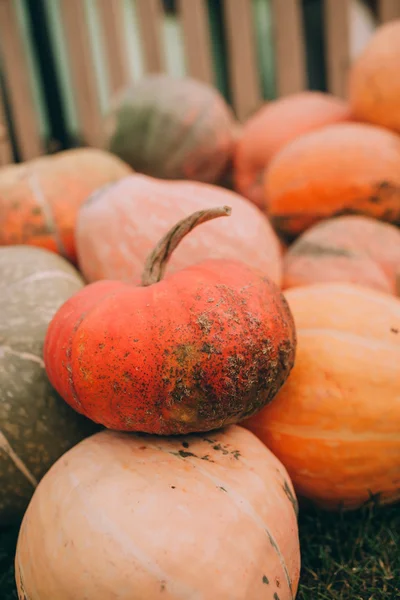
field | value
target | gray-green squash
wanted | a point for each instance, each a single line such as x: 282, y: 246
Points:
x: 36, y: 425
x: 172, y: 128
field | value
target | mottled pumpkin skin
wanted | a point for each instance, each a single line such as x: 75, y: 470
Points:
x: 39, y: 199
x: 374, y: 85
x: 349, y: 249
x: 203, y: 348
x: 348, y: 168
x: 36, y: 426
x: 187, y: 517
x: 272, y: 127
x: 120, y: 225
x: 335, y: 423
x: 172, y: 128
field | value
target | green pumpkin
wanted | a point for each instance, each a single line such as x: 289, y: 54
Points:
x: 36, y: 425
x: 172, y: 128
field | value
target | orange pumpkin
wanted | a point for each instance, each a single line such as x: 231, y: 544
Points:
x: 335, y: 423
x: 374, y: 85
x: 39, y: 199
x: 349, y: 168
x: 347, y: 249
x: 273, y: 126
x: 128, y: 516
x: 206, y: 347
x: 172, y: 128
x: 121, y: 224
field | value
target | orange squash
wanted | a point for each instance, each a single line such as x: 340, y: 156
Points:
x: 272, y: 127
x: 335, y: 423
x: 128, y: 516
x: 121, y: 224
x: 39, y: 199
x: 351, y: 249
x: 374, y: 84
x: 348, y: 168
x: 172, y: 128
x: 206, y: 347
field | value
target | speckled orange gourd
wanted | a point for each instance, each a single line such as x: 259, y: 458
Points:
x: 205, y: 347
x: 351, y: 249
x: 335, y: 423
x: 272, y: 127
x: 130, y: 516
x: 39, y: 199
x: 348, y: 168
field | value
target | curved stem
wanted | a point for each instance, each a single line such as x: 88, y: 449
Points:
x: 157, y: 261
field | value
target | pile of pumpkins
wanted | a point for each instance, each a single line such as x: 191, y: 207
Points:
x: 180, y: 361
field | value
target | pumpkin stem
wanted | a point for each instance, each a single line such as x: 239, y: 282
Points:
x: 156, y: 262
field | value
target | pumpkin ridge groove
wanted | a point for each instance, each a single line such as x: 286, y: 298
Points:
x: 180, y: 591
x: 241, y: 503
x: 47, y: 212
x: 18, y: 462
x: 41, y: 275
x: 22, y: 355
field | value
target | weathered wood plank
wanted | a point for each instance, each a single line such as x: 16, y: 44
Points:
x: 243, y: 67
x: 388, y: 10
x: 111, y: 18
x: 337, y: 32
x: 16, y: 71
x: 150, y: 14
x: 196, y: 36
x: 6, y: 155
x: 82, y: 70
x: 289, y: 47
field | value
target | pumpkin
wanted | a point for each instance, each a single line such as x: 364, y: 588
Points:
x: 165, y: 506
x: 352, y: 249
x: 206, y: 347
x: 274, y: 125
x: 374, y: 86
x: 119, y: 226
x: 36, y: 426
x: 39, y: 199
x: 348, y: 168
x: 172, y: 128
x: 335, y: 423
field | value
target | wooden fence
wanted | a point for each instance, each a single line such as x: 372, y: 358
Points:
x: 94, y: 65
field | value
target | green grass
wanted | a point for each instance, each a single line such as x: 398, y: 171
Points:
x: 350, y: 556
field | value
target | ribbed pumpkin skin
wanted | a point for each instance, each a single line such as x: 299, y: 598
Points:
x: 374, y: 85
x: 39, y: 199
x: 205, y: 347
x: 335, y: 423
x: 350, y: 249
x: 36, y: 426
x: 172, y: 128
x: 273, y: 126
x: 342, y: 169
x: 120, y: 225
x: 193, y: 517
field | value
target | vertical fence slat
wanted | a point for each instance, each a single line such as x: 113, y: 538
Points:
x: 337, y: 32
x: 16, y: 71
x: 196, y: 37
x: 111, y: 18
x: 243, y: 70
x: 150, y: 15
x: 289, y: 46
x: 82, y: 70
x: 388, y: 10
x: 6, y: 155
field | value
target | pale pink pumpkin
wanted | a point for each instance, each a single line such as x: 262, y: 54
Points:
x: 119, y: 226
x: 125, y: 516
